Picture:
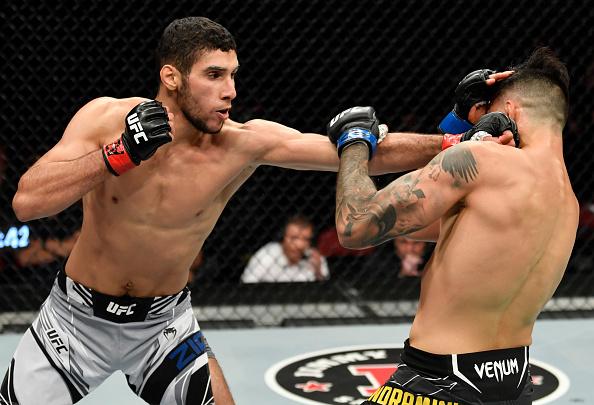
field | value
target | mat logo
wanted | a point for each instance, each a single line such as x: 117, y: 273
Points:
x: 135, y: 125
x: 497, y: 369
x: 350, y: 375
x: 117, y: 309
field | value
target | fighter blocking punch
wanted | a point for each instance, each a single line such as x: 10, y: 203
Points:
x: 472, y: 93
x: 360, y: 125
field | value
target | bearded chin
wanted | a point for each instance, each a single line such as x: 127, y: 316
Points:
x: 199, y: 124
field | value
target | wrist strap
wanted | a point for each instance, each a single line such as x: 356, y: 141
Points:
x: 450, y: 140
x: 353, y: 135
x: 453, y: 124
x: 116, y: 158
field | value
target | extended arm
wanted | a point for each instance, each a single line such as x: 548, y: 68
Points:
x: 367, y: 217
x: 285, y: 147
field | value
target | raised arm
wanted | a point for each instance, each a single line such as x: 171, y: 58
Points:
x: 81, y: 160
x: 367, y: 217
x: 68, y: 170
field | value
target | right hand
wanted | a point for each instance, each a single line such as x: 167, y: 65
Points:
x: 492, y: 124
x: 356, y: 124
x: 147, y: 127
x: 473, y: 91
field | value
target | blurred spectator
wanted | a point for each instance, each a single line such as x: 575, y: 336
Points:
x: 411, y: 254
x: 291, y: 260
x: 329, y: 245
x: 402, y: 256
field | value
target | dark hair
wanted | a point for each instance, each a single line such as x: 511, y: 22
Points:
x: 299, y: 220
x: 184, y: 40
x: 544, y: 78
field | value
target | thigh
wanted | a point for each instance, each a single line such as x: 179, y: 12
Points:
x: 54, y: 362
x: 34, y: 375
x: 174, y: 368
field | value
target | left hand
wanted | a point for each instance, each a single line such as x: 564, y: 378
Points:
x: 354, y: 125
x: 472, y: 96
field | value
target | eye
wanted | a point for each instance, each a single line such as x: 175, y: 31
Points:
x: 214, y: 75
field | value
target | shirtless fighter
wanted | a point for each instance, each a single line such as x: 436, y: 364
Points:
x: 469, y: 340
x: 149, y: 202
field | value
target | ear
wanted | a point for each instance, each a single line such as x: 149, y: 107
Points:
x: 170, y: 77
x: 512, y: 109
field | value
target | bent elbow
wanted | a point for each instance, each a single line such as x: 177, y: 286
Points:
x: 350, y: 239
x: 23, y: 207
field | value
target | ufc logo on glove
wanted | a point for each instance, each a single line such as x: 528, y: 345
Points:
x: 134, y: 124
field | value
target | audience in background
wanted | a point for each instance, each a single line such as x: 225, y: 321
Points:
x: 401, y: 258
x: 291, y: 260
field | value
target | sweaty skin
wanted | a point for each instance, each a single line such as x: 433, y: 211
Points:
x: 142, y: 230
x: 508, y: 223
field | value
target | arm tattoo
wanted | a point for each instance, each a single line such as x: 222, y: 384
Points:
x: 460, y: 163
x: 396, y: 209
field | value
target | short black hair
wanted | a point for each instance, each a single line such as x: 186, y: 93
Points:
x: 184, y: 40
x: 544, y: 78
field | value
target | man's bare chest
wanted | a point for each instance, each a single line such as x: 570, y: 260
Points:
x: 176, y: 191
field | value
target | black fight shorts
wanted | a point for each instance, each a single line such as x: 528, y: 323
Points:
x: 494, y: 377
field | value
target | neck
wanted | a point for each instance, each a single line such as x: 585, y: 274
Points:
x: 544, y: 134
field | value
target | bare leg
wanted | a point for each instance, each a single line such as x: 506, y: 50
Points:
x: 220, y: 389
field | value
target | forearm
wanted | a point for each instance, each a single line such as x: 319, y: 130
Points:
x: 48, y: 188
x: 400, y: 152
x: 355, y: 191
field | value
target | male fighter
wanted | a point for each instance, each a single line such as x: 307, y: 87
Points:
x: 508, y: 221
x: 149, y: 202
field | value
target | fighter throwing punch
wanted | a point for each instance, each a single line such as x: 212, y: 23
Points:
x: 481, y: 293
x: 151, y: 196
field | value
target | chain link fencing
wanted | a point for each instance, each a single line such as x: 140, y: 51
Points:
x: 301, y: 63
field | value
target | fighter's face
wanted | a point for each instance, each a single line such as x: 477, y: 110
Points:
x: 296, y: 241
x: 207, y: 91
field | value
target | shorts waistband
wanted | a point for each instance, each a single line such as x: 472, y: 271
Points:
x: 122, y: 309
x: 493, y: 374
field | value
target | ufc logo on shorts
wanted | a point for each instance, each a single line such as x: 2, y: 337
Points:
x: 56, y: 340
x: 134, y: 124
x: 120, y: 309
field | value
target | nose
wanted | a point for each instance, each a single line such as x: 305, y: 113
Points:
x: 229, y: 92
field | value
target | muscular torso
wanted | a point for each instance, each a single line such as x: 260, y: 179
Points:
x: 142, y: 230
x: 500, y: 256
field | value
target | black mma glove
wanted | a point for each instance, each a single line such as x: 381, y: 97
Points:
x: 493, y: 124
x: 147, y: 128
x: 356, y: 124
x: 471, y: 90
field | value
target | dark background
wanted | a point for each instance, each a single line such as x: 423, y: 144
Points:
x: 301, y: 63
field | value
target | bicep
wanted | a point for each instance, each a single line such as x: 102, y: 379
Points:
x: 418, y: 199
x: 83, y: 134
x: 286, y: 147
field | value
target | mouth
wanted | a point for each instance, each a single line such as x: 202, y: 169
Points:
x: 223, y: 113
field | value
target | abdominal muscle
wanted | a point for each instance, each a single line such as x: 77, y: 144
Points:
x: 151, y: 264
